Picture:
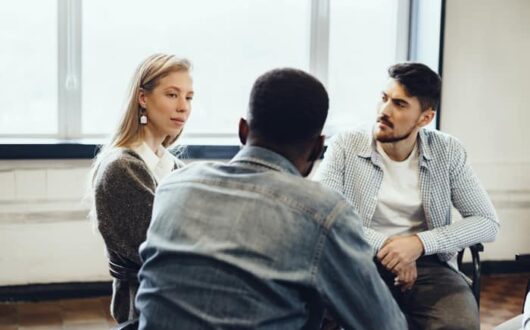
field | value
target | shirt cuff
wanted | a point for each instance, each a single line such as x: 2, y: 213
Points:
x: 428, y: 239
x: 378, y: 242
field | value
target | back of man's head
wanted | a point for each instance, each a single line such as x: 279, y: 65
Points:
x: 419, y: 81
x: 287, y: 107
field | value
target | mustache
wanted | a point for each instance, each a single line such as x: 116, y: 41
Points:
x: 384, y: 120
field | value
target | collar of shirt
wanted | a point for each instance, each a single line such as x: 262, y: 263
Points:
x: 160, y: 164
x: 265, y: 157
x: 413, y: 157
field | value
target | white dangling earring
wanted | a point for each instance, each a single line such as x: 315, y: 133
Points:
x: 143, y: 116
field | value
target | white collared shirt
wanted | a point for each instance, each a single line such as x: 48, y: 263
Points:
x: 160, y: 164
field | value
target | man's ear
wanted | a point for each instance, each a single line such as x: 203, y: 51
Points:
x: 243, y: 131
x: 426, y: 117
x: 318, y: 148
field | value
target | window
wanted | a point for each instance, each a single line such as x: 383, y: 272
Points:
x: 28, y: 68
x: 229, y: 43
x: 66, y: 64
x: 366, y: 37
x: 426, y: 27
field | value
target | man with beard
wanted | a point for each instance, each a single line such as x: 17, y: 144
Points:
x: 404, y: 180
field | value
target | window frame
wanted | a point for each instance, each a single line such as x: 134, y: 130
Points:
x: 69, y: 143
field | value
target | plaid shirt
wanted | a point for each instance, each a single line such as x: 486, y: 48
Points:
x: 352, y: 166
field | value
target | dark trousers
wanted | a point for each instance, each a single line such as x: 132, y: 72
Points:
x: 440, y: 298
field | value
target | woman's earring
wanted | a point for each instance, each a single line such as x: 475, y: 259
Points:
x: 143, y: 116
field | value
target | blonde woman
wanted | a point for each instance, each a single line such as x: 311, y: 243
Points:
x: 128, y: 169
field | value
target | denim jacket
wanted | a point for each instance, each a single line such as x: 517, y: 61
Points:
x: 253, y: 245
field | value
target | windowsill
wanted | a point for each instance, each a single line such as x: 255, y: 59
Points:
x: 215, y: 148
x: 26, y: 148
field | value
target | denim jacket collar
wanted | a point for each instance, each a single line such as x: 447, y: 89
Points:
x: 369, y: 149
x: 265, y: 157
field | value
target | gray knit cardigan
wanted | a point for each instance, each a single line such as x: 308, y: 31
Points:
x: 124, y: 194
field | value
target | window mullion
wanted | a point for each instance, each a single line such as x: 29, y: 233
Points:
x: 406, y: 36
x: 69, y: 64
x: 319, y: 41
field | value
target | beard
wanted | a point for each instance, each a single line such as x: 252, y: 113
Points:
x: 393, y: 139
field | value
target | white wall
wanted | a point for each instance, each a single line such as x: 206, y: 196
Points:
x: 45, y: 236
x: 485, y: 103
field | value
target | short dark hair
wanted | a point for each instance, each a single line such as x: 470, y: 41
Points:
x: 419, y: 81
x: 287, y: 106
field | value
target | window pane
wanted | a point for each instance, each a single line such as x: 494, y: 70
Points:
x: 28, y: 67
x: 229, y: 43
x: 428, y: 37
x: 363, y: 36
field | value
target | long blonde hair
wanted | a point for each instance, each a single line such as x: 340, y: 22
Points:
x: 129, y: 131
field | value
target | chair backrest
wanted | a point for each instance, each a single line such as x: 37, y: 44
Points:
x: 475, y: 270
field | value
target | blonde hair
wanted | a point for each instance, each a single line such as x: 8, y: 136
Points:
x: 129, y: 131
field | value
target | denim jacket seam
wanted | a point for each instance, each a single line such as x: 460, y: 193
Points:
x: 324, y: 229
x: 318, y: 254
x: 262, y: 162
x: 328, y: 221
x: 252, y: 165
x: 250, y: 187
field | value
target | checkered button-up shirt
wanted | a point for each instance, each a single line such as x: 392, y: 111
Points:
x: 352, y: 166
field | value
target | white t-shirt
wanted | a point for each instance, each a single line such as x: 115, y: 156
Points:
x: 160, y: 164
x: 399, y: 207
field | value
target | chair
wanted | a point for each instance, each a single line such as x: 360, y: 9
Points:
x: 475, y: 271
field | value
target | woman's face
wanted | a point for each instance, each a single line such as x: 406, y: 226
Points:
x: 168, y: 105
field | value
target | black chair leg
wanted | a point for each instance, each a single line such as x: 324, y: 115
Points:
x: 476, y: 271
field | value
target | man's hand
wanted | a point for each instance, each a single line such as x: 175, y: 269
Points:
x: 407, y: 277
x: 399, y: 251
